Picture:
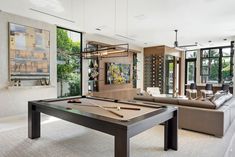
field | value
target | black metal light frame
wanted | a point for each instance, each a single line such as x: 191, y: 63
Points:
x: 97, y: 51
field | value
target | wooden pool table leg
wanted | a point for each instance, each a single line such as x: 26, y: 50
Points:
x: 34, y: 119
x: 122, y: 145
x: 171, y: 133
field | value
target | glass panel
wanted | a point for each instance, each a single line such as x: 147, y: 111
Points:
x: 214, y: 53
x: 169, y: 75
x: 171, y: 78
x: 204, y: 79
x: 205, y: 62
x: 214, y: 71
x: 226, y: 51
x: 191, y: 54
x: 226, y: 67
x: 68, y: 64
x: 205, y: 53
x: 205, y: 70
x: 190, y: 72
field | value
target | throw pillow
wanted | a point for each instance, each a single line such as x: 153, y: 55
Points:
x: 221, y: 98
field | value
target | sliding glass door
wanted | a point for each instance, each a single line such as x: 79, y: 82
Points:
x: 170, y: 72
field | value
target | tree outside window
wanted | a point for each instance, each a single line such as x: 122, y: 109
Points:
x: 216, y: 65
x: 68, y: 62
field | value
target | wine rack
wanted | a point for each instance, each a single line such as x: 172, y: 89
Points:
x: 154, y: 71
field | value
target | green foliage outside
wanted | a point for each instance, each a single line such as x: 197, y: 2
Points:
x: 226, y: 76
x: 213, y: 65
x: 214, y: 70
x: 68, y: 66
x: 191, y: 72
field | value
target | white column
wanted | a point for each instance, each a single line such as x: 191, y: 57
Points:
x: 198, y: 70
x: 140, y: 70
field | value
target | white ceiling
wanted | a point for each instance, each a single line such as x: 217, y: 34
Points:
x: 147, y: 22
x: 153, y: 21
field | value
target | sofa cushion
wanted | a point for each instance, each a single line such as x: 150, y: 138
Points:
x: 217, y: 95
x: 197, y: 103
x: 144, y: 98
x: 166, y: 100
x: 220, y: 100
x: 230, y: 102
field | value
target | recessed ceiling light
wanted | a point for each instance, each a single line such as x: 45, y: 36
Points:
x: 145, y: 43
x: 209, y: 41
x: 225, y: 39
x: 54, y: 5
x: 98, y: 29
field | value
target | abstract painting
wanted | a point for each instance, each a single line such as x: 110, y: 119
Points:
x: 29, y: 52
x: 117, y: 73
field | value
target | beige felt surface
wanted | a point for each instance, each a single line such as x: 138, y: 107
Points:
x: 128, y: 114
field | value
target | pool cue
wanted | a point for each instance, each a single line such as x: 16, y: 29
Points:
x: 113, y: 112
x: 113, y: 107
x: 117, y: 114
x: 124, y: 108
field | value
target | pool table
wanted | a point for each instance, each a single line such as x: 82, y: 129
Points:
x: 122, y: 119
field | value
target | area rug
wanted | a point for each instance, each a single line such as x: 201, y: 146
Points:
x: 63, y: 139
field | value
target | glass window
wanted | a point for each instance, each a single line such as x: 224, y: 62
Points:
x: 226, y: 51
x: 205, y: 62
x: 68, y: 63
x: 205, y: 70
x: 191, y: 57
x: 214, y: 53
x: 191, y: 72
x: 214, y: 72
x: 205, y: 53
x: 190, y: 54
x: 216, y: 65
x: 226, y: 69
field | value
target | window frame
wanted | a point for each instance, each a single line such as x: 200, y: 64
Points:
x: 81, y: 48
x: 194, y: 59
x: 220, y: 57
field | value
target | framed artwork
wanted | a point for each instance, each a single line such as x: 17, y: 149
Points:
x: 29, y: 53
x: 117, y: 73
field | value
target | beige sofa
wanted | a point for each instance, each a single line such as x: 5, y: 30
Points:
x: 199, y: 116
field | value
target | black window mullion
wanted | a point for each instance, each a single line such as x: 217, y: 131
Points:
x: 220, y: 66
x: 231, y: 62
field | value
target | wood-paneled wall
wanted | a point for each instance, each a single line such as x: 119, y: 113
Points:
x: 102, y: 75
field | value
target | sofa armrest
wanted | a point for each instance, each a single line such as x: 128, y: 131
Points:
x: 214, y: 122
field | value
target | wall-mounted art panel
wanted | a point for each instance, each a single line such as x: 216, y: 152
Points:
x: 117, y: 73
x: 29, y: 53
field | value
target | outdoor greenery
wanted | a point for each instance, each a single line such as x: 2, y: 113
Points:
x: 226, y: 68
x: 211, y: 65
x: 214, y: 70
x: 190, y: 72
x: 68, y: 66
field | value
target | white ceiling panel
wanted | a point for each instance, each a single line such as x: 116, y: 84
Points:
x: 143, y: 21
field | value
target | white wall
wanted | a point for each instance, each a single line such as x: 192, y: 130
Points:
x: 140, y: 70
x: 79, y: 12
x: 14, y: 101
x: 198, y: 67
x: 182, y: 73
x: 72, y: 10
